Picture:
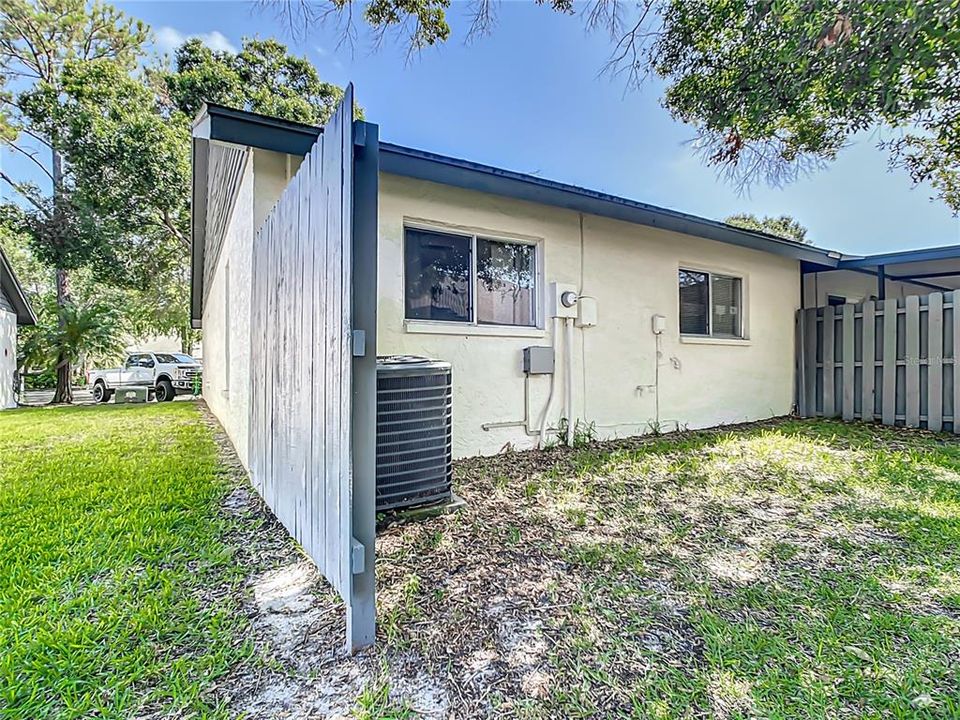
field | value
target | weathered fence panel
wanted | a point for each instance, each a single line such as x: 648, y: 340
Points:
x: 893, y: 360
x: 313, y: 385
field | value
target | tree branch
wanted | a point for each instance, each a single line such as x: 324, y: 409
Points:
x: 19, y: 189
x: 32, y: 157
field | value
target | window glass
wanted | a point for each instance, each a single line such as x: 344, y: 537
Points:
x: 133, y: 360
x: 506, y: 278
x: 437, y: 276
x: 726, y: 306
x: 694, y: 300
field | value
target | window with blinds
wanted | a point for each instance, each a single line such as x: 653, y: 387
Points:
x: 710, y: 305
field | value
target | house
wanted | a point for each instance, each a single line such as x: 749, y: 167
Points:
x: 14, y: 310
x: 683, y: 322
x: 560, y: 310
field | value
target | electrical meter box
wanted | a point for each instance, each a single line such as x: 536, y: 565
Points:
x: 538, y: 360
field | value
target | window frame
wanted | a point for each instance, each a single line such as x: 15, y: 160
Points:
x: 475, y: 234
x: 711, y: 274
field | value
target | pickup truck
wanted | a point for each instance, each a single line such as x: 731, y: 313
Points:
x: 166, y: 375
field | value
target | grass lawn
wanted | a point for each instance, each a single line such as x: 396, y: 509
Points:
x: 793, y: 569
x: 796, y: 570
x: 115, y: 565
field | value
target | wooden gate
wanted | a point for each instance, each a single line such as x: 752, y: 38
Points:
x: 313, y: 361
x: 891, y: 361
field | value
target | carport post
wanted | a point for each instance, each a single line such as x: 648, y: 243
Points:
x: 361, y: 612
x: 881, y: 282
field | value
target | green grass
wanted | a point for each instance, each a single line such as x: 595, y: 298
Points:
x: 795, y: 570
x: 814, y: 570
x: 110, y: 542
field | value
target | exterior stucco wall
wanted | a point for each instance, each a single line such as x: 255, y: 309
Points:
x: 854, y: 286
x: 8, y: 358
x: 632, y: 273
x: 226, y: 323
x: 226, y: 312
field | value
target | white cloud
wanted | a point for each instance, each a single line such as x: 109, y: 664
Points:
x: 167, y: 39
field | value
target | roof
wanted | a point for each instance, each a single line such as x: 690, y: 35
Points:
x: 936, y: 269
x: 945, y: 252
x: 11, y: 288
x: 223, y: 124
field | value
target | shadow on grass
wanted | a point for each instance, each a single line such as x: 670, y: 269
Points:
x: 789, y: 569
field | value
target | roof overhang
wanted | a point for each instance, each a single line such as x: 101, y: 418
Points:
x: 217, y: 123
x: 407, y: 162
x: 14, y: 291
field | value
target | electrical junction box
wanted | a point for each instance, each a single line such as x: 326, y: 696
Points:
x: 586, y: 312
x: 538, y: 360
x: 659, y: 324
x: 556, y: 307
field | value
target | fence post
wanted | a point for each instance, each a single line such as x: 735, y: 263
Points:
x: 829, y: 362
x: 935, y: 363
x: 956, y: 362
x: 889, y: 398
x: 848, y: 367
x: 912, y: 360
x: 869, y: 362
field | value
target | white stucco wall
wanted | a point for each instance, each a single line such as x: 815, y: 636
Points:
x: 226, y: 313
x: 855, y: 287
x: 8, y: 358
x: 226, y: 323
x: 632, y: 272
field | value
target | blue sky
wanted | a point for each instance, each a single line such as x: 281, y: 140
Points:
x: 529, y: 98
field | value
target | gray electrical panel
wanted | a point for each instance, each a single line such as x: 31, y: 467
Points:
x: 538, y: 360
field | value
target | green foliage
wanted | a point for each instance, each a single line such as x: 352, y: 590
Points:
x: 778, y: 88
x: 89, y: 327
x: 263, y: 78
x: 374, y: 703
x: 112, y: 537
x: 775, y: 88
x: 783, y: 226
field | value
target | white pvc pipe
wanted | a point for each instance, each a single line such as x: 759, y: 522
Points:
x: 568, y: 399
x: 553, y: 378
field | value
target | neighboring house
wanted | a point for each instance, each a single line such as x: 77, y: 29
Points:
x: 14, y: 310
x: 683, y: 322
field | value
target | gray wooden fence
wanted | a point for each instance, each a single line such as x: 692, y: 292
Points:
x: 313, y: 365
x: 891, y: 361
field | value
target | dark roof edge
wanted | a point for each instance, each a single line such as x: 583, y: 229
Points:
x: 943, y: 252
x: 14, y: 291
x: 408, y: 162
x: 240, y: 127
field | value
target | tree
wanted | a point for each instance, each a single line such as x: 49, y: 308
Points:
x: 774, y: 89
x: 783, y: 226
x: 263, y: 77
x: 89, y: 326
x: 37, y: 41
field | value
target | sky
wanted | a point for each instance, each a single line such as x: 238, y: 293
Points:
x: 531, y: 97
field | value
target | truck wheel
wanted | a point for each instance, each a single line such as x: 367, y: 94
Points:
x: 165, y: 391
x: 100, y: 393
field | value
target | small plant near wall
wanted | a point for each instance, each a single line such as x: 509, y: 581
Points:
x: 584, y: 433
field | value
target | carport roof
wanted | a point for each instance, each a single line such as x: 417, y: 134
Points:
x: 936, y: 268
x: 11, y: 288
